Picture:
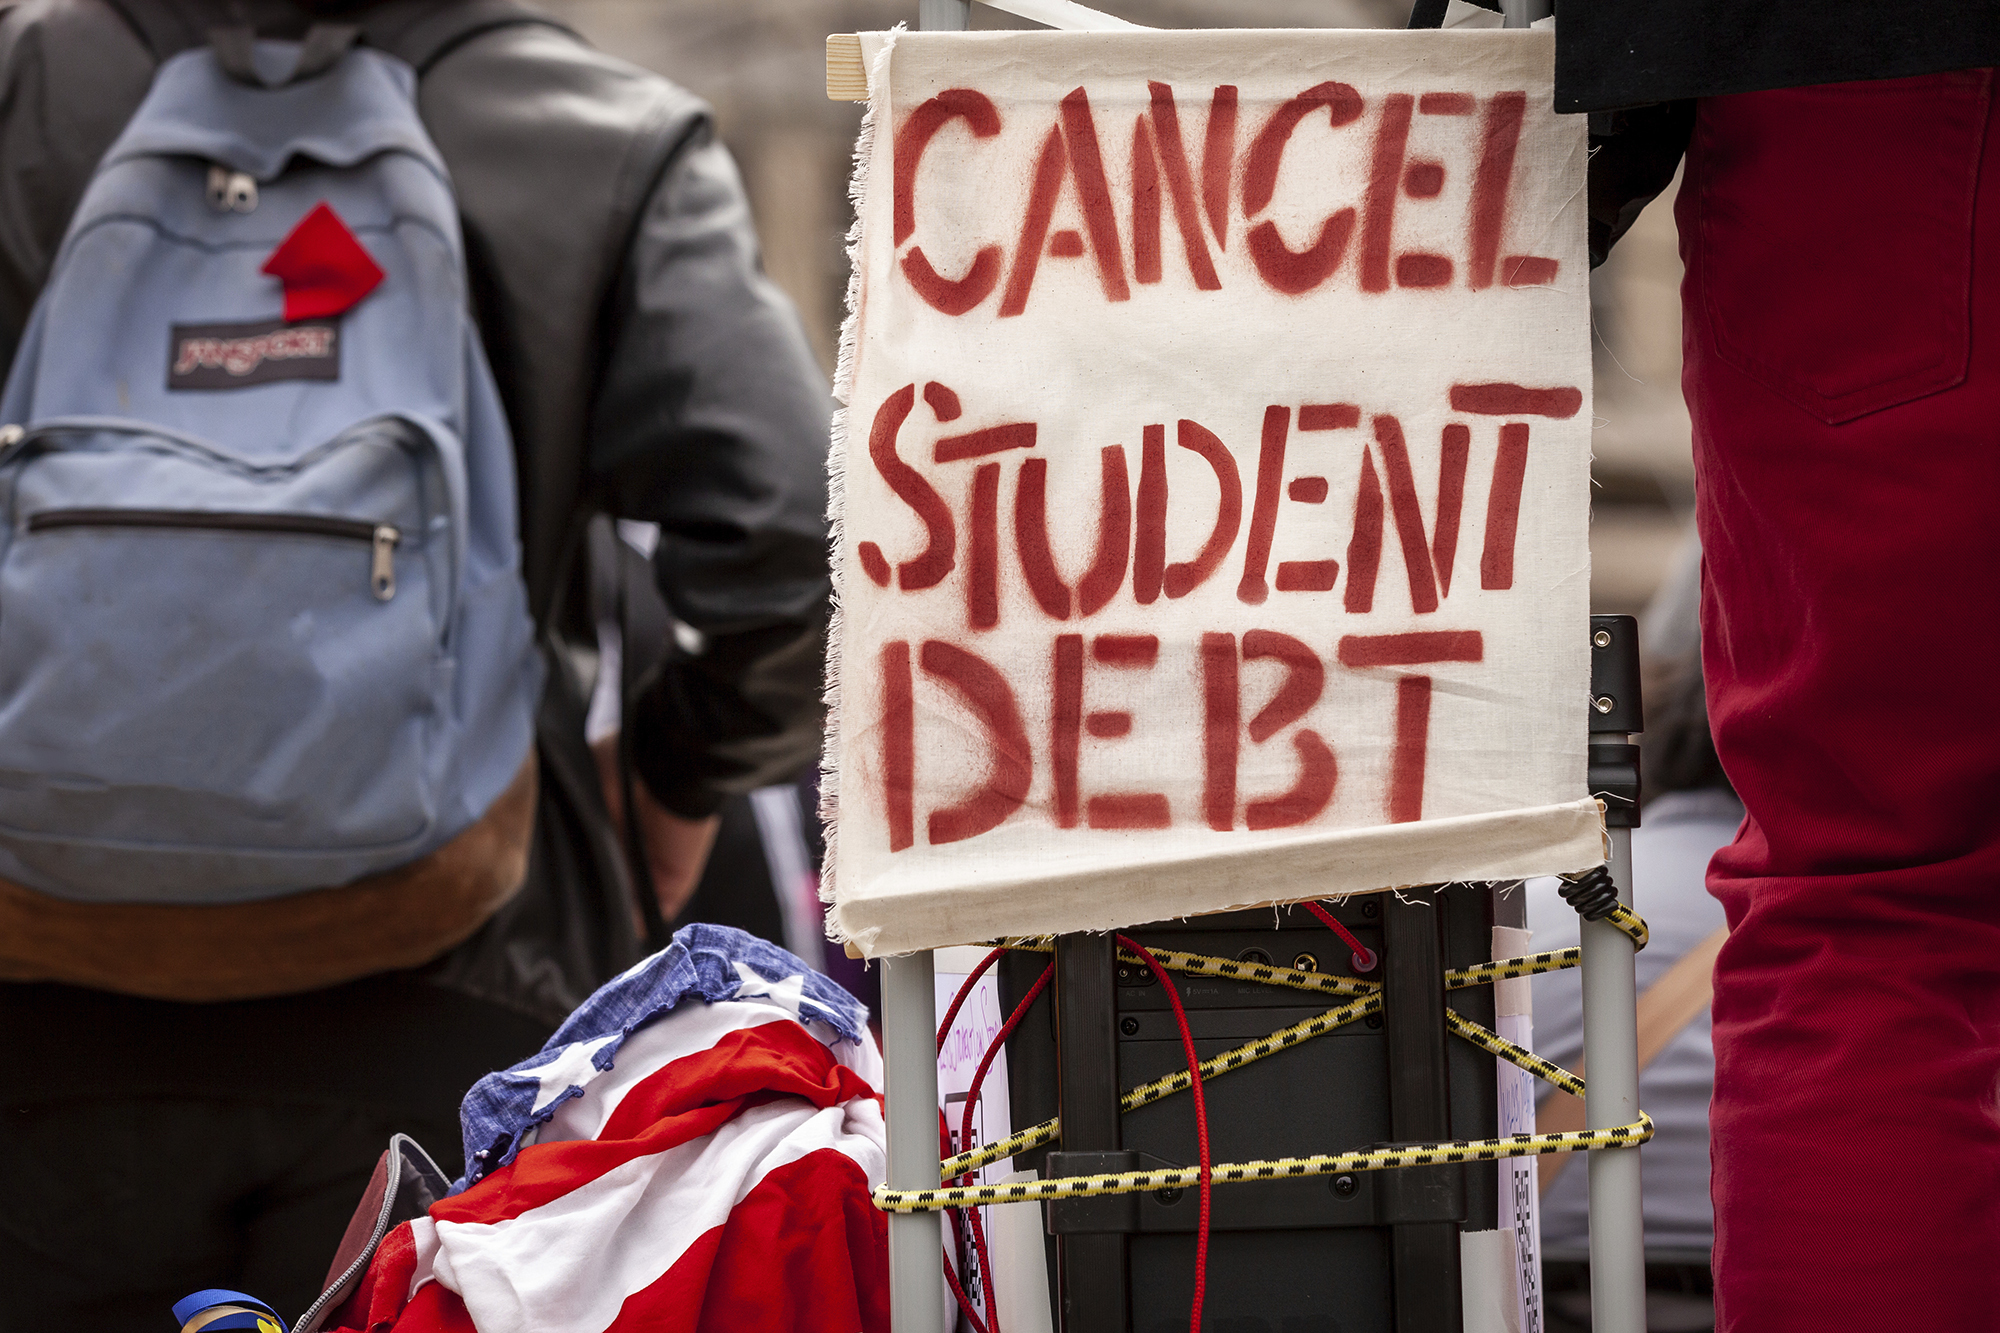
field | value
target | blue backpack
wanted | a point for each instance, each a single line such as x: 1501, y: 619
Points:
x: 262, y: 623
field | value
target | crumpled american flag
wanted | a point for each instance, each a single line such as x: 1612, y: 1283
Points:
x: 664, y: 1165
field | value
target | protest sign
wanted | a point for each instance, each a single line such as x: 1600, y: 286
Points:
x: 1211, y: 492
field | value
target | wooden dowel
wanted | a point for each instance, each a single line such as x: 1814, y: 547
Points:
x: 846, y: 76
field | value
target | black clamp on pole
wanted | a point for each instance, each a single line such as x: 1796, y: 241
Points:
x: 1616, y: 712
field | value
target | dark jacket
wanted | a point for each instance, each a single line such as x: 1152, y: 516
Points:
x: 1639, y: 66
x: 1612, y: 54
x: 650, y: 371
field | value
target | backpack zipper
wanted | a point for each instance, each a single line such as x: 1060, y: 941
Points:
x: 382, y: 537
x: 337, y: 1287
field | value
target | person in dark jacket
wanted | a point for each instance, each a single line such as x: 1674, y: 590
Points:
x: 151, y: 1144
x: 1840, y: 221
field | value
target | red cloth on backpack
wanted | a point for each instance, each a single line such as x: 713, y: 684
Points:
x: 323, y: 267
x: 1842, y: 341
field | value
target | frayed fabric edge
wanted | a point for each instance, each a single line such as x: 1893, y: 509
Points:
x: 837, y: 453
x: 1394, y: 858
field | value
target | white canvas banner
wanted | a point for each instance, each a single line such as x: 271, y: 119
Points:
x: 1211, y: 495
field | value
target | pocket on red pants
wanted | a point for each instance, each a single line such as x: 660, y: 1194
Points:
x: 1835, y: 229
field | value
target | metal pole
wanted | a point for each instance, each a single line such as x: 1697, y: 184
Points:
x: 1517, y: 13
x: 909, y: 1038
x: 916, y: 1240
x: 1611, y: 1061
x: 944, y: 15
x: 1610, y: 997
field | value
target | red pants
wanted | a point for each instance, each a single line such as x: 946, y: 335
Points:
x: 1842, y: 334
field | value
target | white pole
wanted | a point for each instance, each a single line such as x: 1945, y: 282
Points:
x: 1065, y: 15
x: 916, y: 1240
x: 1611, y: 1059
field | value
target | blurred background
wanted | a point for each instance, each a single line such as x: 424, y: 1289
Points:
x: 761, y: 64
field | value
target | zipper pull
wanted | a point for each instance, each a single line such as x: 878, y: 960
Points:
x: 382, y: 576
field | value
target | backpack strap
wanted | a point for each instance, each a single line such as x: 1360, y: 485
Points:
x: 163, y: 29
x: 234, y: 47
x: 323, y: 47
x: 423, y: 32
x: 325, y: 43
x: 419, y: 32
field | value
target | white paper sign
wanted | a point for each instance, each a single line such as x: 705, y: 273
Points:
x: 973, y: 1031
x: 1520, y: 1194
x: 1212, y: 490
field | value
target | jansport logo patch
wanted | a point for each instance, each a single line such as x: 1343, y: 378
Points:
x: 234, y: 356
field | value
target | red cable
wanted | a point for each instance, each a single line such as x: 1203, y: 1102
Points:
x: 993, y: 1048
x: 985, y: 1269
x: 957, y: 1243
x: 1200, y: 1129
x: 1364, y: 957
x: 965, y: 989
x: 965, y: 1305
x: 944, y: 1030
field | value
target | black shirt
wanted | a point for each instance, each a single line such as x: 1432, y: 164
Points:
x: 1625, y: 53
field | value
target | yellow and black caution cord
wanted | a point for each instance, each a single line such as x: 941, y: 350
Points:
x: 1364, y: 998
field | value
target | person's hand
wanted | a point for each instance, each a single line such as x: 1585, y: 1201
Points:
x: 676, y: 848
